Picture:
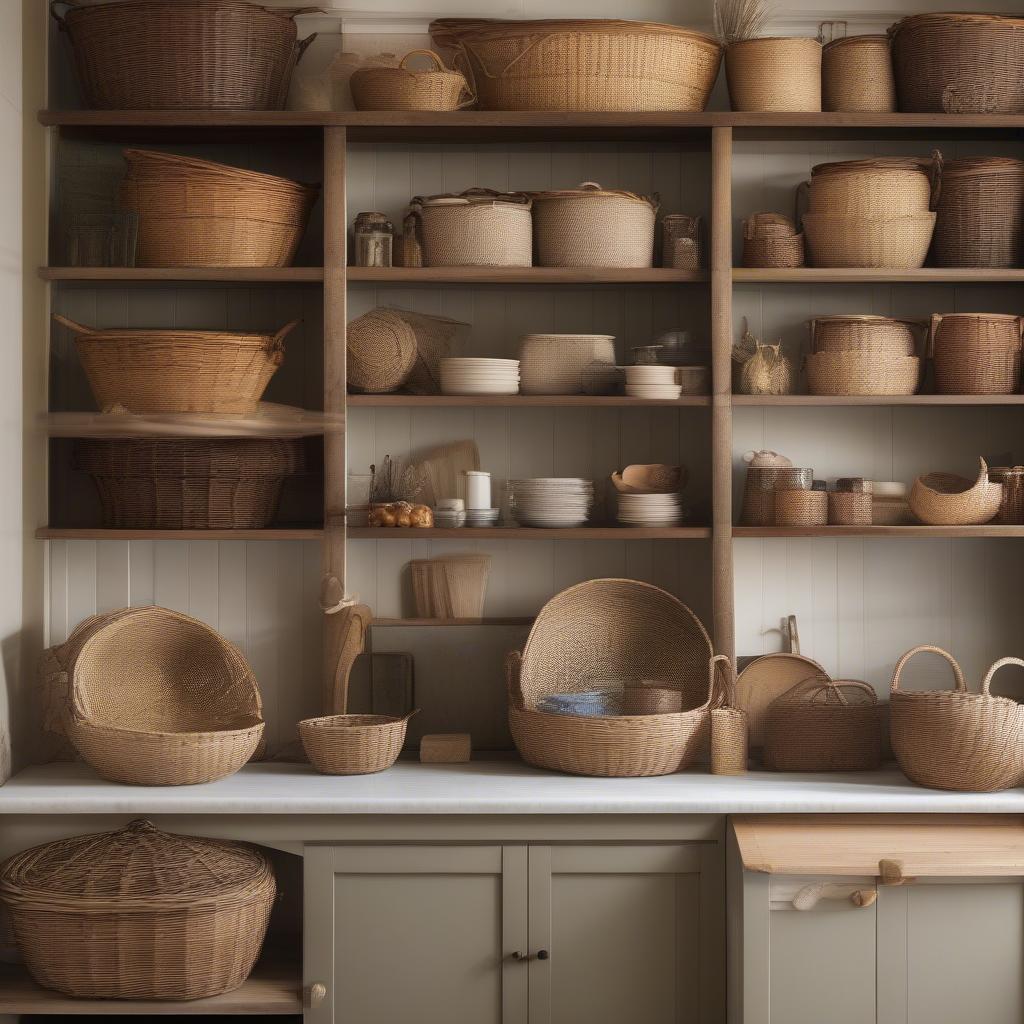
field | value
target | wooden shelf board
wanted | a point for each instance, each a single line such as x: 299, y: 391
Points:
x: 522, y: 275
x: 469, y: 533
x: 846, y: 400
x: 227, y: 275
x: 87, y: 533
x: 268, y: 990
x: 860, y: 275
x: 878, y: 531
x: 524, y: 401
x: 520, y: 621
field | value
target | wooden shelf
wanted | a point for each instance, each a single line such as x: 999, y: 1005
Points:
x: 878, y: 531
x: 225, y: 275
x: 268, y: 990
x: 859, y: 275
x: 87, y: 533
x: 469, y: 533
x: 522, y: 275
x: 846, y: 400
x: 522, y: 401
x: 520, y: 621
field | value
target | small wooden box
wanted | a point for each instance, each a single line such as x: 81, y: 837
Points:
x: 446, y: 748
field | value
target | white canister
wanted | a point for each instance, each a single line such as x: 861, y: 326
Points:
x: 478, y: 488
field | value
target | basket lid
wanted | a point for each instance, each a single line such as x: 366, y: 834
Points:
x: 592, y: 190
x: 473, y: 197
x: 879, y: 163
x: 136, y: 868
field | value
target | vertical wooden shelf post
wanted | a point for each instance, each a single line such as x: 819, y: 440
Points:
x: 721, y: 402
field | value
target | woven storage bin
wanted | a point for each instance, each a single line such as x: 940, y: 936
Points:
x: 729, y: 748
x: 773, y: 252
x: 759, y: 496
x: 583, y: 65
x: 681, y: 242
x: 865, y: 334
x: 381, y: 349
x: 194, y: 213
x: 353, y: 744
x: 143, y: 371
x: 945, y: 499
x: 183, y: 54
x: 402, y: 88
x: 846, y: 508
x: 774, y: 74
x: 857, y: 75
x: 879, y: 188
x: 554, y: 364
x: 824, y: 725
x: 139, y: 913
x: 838, y: 240
x: 891, y: 512
x: 195, y: 484
x: 476, y: 228
x: 594, y: 227
x: 958, y: 64
x: 855, y: 373
x: 801, y: 508
x: 952, y: 739
x: 1011, y: 507
x: 976, y: 353
x: 156, y: 698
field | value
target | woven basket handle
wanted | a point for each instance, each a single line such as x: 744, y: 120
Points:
x: 934, y: 168
x: 302, y: 45
x: 73, y: 325
x: 792, y: 636
x: 513, y: 671
x: 958, y: 675
x: 933, y: 327
x: 996, y: 666
x: 833, y: 688
x: 722, y: 695
x: 435, y: 59
x: 276, y: 346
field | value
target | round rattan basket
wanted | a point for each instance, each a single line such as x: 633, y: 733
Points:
x: 862, y: 373
x: 353, y: 744
x: 946, y: 499
x: 774, y: 74
x: 476, y: 228
x: 866, y: 334
x: 381, y: 348
x: 139, y: 913
x: 857, y: 75
x: 976, y: 353
x: 774, y: 252
x: 842, y: 240
x: 403, y: 88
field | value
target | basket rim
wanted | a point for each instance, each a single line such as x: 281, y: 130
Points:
x: 954, y: 18
x: 860, y: 38
x: 78, y: 12
x: 237, y: 731
x: 341, y: 725
x: 211, y: 168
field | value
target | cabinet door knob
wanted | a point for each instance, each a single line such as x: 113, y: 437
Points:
x: 517, y: 955
x: 543, y: 954
x: 315, y: 995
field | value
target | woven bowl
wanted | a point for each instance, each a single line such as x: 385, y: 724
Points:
x: 353, y: 744
x: 946, y: 499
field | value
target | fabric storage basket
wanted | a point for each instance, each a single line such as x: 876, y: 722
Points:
x: 857, y: 75
x: 554, y: 364
x: 959, y: 64
x: 866, y: 334
x: 774, y: 74
x: 594, y: 227
x: 194, y: 484
x: 476, y: 228
x: 194, y: 213
x: 980, y: 212
x: 402, y: 88
x: 860, y: 373
x: 976, y: 353
x: 599, y: 65
x: 183, y: 54
x: 841, y: 240
x: 142, y: 371
x: 353, y: 744
x: 946, y: 499
x: 139, y: 913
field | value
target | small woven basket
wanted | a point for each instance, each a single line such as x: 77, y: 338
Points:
x: 729, y: 748
x: 139, y: 913
x: 976, y: 353
x: 774, y: 252
x: 475, y: 228
x: 681, y: 243
x: 858, y: 373
x: 801, y: 508
x: 946, y: 499
x: 891, y: 512
x: 846, y: 508
x: 857, y: 75
x: 774, y: 74
x: 402, y: 88
x: 955, y: 740
x: 1011, y: 507
x: 556, y: 364
x: 382, y: 351
x: 353, y: 744
x: 842, y: 240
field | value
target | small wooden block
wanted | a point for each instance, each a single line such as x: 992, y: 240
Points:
x: 446, y: 748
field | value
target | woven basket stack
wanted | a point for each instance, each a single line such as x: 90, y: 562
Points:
x: 772, y: 240
x: 863, y: 355
x: 976, y: 353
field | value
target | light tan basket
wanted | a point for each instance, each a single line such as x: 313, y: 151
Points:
x: 600, y: 65
x: 765, y: 370
x: 856, y: 373
x: 945, y: 499
x: 955, y: 740
x: 475, y: 228
x: 774, y: 74
x: 402, y: 88
x: 729, y: 747
x: 976, y: 353
x: 840, y: 240
x: 846, y: 508
x: 866, y: 334
x: 801, y: 508
x: 139, y: 913
x: 857, y: 75
x: 353, y: 744
x: 555, y: 364
x: 882, y: 188
x: 193, y: 213
x: 381, y: 351
x: 594, y: 227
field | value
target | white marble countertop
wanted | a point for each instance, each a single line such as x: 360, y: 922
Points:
x: 488, y: 787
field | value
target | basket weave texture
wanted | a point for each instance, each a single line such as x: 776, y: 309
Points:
x: 681, y: 241
x: 402, y: 88
x: 862, y: 373
x: 866, y: 334
x: 729, y: 740
x: 139, y: 913
x: 946, y: 499
x: 774, y: 74
x: 840, y: 240
x: 801, y: 508
x: 976, y: 353
x: 556, y: 364
x: 475, y: 228
x: 880, y: 187
x: 353, y: 744
x: 857, y: 75
x: 381, y: 347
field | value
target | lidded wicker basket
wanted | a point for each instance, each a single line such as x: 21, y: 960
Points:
x: 139, y: 913
x: 880, y: 187
x: 402, y: 88
x: 774, y: 74
x: 946, y: 499
x: 353, y: 744
x: 857, y: 75
x: 866, y: 334
x: 475, y: 228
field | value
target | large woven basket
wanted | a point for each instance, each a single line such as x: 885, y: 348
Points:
x: 878, y: 188
x: 946, y: 499
x: 976, y: 353
x: 476, y: 228
x: 952, y: 739
x: 353, y: 744
x: 554, y: 364
x: 866, y: 334
x: 842, y: 240
x: 381, y: 348
x: 183, y: 54
x: 857, y: 75
x: 959, y: 64
x: 139, y: 913
x: 862, y: 373
x: 774, y: 74
x: 194, y: 213
x: 144, y: 371
x: 403, y: 88
x: 600, y: 65
x: 594, y: 227
x: 195, y: 484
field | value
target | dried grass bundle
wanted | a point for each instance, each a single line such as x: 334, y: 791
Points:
x: 740, y: 19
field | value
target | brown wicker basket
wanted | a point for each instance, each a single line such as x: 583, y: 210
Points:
x: 194, y: 213
x: 195, y: 484
x: 600, y: 65
x: 402, y: 88
x: 976, y: 353
x: 184, y: 54
x: 857, y: 75
x: 139, y: 913
x: 969, y: 742
x: 142, y: 371
x: 774, y: 74
x: 353, y: 744
x: 476, y: 228
x: 729, y: 747
x: 681, y: 242
x: 801, y: 508
x: 857, y: 373
x: 381, y: 348
x: 946, y: 499
x: 847, y: 508
x: 866, y: 334
x: 842, y: 240
x: 1011, y: 507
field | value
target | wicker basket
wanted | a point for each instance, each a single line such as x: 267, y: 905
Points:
x: 681, y: 242
x: 883, y: 188
x: 891, y: 512
x: 381, y: 349
x: 1011, y: 507
x: 583, y: 65
x: 139, y: 913
x: 774, y: 252
x: 476, y: 228
x: 840, y: 240
x: 774, y: 74
x: 981, y: 212
x: 801, y: 508
x: 857, y: 75
x: 969, y: 742
x: 846, y: 508
x: 976, y: 353
x: 433, y: 344
x: 594, y: 227
x: 554, y: 364
x: 195, y: 484
x: 866, y: 334
x: 824, y: 725
x: 759, y: 494
x: 856, y: 373
x: 729, y: 746
x: 958, y: 64
x: 194, y: 213
x: 401, y: 88
x: 945, y: 499
x: 353, y: 744
x: 184, y: 54
x: 140, y: 371
x: 156, y: 698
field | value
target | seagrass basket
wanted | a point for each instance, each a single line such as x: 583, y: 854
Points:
x: 139, y: 913
x: 475, y: 228
x: 194, y: 213
x: 845, y: 240
x: 681, y: 241
x: 774, y: 252
x: 801, y: 508
x: 946, y: 499
x: 381, y: 348
x: 976, y: 353
x: 866, y: 334
x: 857, y: 75
x: 862, y: 373
x: 848, y: 508
x: 879, y: 188
x: 403, y: 88
x: 774, y: 74
x: 953, y: 739
x: 1011, y: 507
x: 144, y: 371
x: 353, y: 744
x: 729, y: 740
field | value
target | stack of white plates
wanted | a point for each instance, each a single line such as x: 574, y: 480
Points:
x: 651, y: 509
x: 551, y: 502
x: 482, y: 516
x: 652, y: 382
x: 448, y: 518
x: 466, y: 376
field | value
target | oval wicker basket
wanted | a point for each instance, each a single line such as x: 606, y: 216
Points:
x: 402, y: 88
x: 194, y: 213
x: 774, y: 74
x: 353, y: 744
x: 139, y: 913
x: 594, y: 227
x: 184, y: 54
x: 880, y: 187
x: 554, y: 364
x: 862, y: 373
x: 381, y: 348
x: 840, y: 240
x: 976, y: 353
x: 857, y: 75
x: 945, y: 499
x: 142, y: 371
x: 600, y: 65
x: 476, y: 228
x: 955, y: 740
x: 866, y: 334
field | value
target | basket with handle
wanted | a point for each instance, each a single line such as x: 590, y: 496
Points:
x: 953, y: 739
x: 353, y: 744
x: 729, y: 746
x: 976, y: 353
x: 403, y: 88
